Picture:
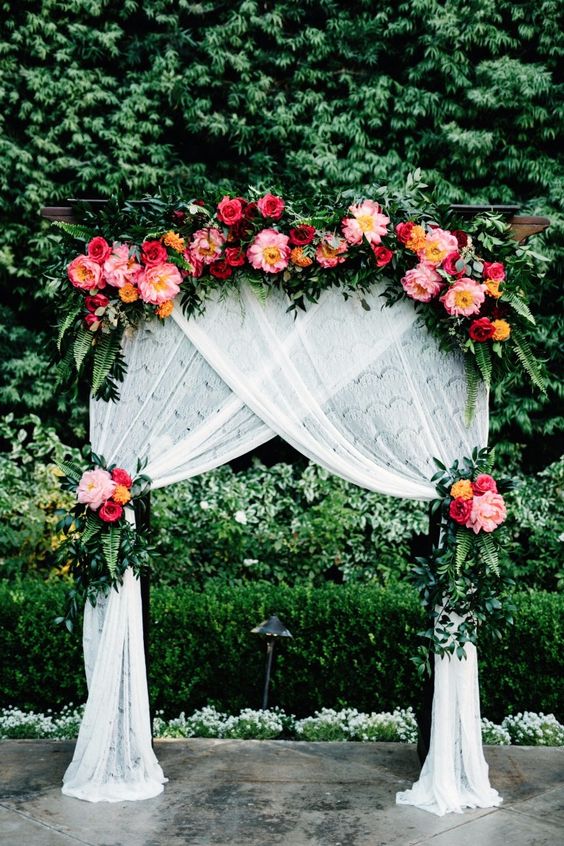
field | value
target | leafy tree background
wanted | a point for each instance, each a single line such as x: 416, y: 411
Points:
x: 203, y: 97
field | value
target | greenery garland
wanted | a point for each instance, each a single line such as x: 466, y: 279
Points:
x: 136, y: 260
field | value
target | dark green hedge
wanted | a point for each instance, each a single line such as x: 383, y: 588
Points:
x: 351, y: 645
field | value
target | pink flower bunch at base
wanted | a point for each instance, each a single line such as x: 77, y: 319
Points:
x: 367, y: 221
x: 464, y: 298
x: 269, y: 251
x: 119, y: 268
x: 95, y: 487
x: 488, y: 512
x: 159, y: 283
x: 422, y: 283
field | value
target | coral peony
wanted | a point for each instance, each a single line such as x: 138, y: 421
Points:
x: 446, y: 241
x: 382, y: 255
x: 422, y: 283
x: 269, y: 251
x: 481, y: 330
x: 95, y: 487
x: 110, y: 512
x: 494, y: 270
x: 464, y: 298
x: 159, y: 283
x: 502, y: 330
x: 121, y: 477
x: 86, y: 274
x: 153, y: 252
x: 462, y: 489
x: 271, y: 206
x: 330, y: 251
x: 98, y: 250
x: 367, y: 221
x: 484, y: 482
x: 206, y: 245
x: 230, y: 211
x: 460, y: 510
x: 488, y: 512
x: 121, y: 268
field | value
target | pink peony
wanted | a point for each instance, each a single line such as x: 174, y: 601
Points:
x: 484, y: 482
x: 206, y: 245
x: 95, y: 487
x: 464, y: 298
x: 269, y: 251
x: 98, y: 249
x: 196, y: 264
x: 159, y: 283
x: 86, y: 274
x: 488, y: 512
x: 271, y: 206
x: 120, y: 269
x: 330, y: 251
x: 446, y: 240
x: 422, y: 283
x: 367, y: 221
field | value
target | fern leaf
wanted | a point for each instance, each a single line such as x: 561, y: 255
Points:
x: 82, y: 346
x: 518, y: 305
x: 259, y: 290
x: 107, y: 349
x: 472, y: 382
x: 463, y: 546
x: 66, y: 323
x: 75, y: 230
x: 488, y: 551
x: 110, y: 544
x: 92, y: 527
x: 72, y: 471
x: 484, y: 362
x: 528, y: 360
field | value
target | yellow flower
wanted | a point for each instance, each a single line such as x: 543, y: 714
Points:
x: 492, y: 286
x: 128, y: 293
x: 121, y: 495
x: 417, y: 239
x: 173, y: 240
x: 164, y: 309
x: 462, y: 489
x: 297, y: 256
x: 433, y: 252
x: 502, y: 330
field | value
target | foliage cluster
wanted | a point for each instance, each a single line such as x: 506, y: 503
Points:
x: 350, y: 648
x: 210, y: 97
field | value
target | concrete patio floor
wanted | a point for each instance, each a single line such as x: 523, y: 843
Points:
x: 264, y: 793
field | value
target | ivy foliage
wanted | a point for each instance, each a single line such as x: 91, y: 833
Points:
x: 185, y: 96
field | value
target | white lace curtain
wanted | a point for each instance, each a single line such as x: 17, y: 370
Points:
x: 365, y: 393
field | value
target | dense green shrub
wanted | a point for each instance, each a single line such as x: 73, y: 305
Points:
x: 351, y: 646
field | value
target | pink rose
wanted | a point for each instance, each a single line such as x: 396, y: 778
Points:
x: 159, y: 283
x: 271, y: 206
x: 382, y: 255
x: 449, y: 264
x: 230, y: 211
x: 119, y: 268
x: 95, y: 487
x: 206, y: 245
x: 494, y: 270
x: 86, y: 274
x: 269, y: 251
x: 484, y: 483
x: 98, y: 250
x: 110, y: 512
x: 464, y: 298
x: 460, y: 509
x: 153, y: 252
x: 488, y: 512
x: 422, y: 283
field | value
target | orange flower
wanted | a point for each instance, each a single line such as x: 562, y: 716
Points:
x: 174, y: 241
x: 462, y: 489
x: 297, y: 256
x: 121, y: 495
x: 502, y: 330
x: 416, y: 239
x: 492, y: 286
x: 165, y: 309
x: 128, y: 293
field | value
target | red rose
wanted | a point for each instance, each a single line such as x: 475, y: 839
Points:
x: 179, y: 216
x: 92, y: 321
x: 403, y: 231
x: 98, y: 250
x: 153, y: 252
x: 98, y: 301
x: 121, y: 477
x: 110, y: 511
x: 302, y: 235
x: 449, y: 264
x: 482, y: 330
x: 220, y: 269
x: 460, y: 509
x: 230, y: 211
x: 234, y: 256
x: 382, y: 255
x: 484, y: 483
x: 271, y: 206
x: 494, y: 270
x: 461, y: 237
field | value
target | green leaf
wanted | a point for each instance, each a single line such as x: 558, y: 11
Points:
x: 65, y: 324
x: 484, y: 361
x: 72, y: 471
x: 518, y: 305
x: 472, y: 383
x: 75, y: 230
x: 488, y: 551
x: 259, y: 289
x: 106, y: 352
x: 93, y: 526
x: 528, y: 360
x: 464, y: 541
x: 82, y: 345
x: 110, y: 544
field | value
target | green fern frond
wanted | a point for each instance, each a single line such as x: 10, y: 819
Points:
x: 484, y: 361
x: 472, y: 383
x: 110, y: 544
x: 464, y: 540
x: 107, y: 349
x: 75, y: 230
x: 528, y: 360
x: 259, y: 289
x: 488, y: 551
x: 518, y: 305
x: 65, y: 366
x: 72, y: 471
x: 82, y: 345
x: 92, y: 527
x: 66, y: 323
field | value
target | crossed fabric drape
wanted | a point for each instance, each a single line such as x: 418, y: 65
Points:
x: 360, y: 389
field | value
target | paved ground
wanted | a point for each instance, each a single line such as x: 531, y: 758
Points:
x: 249, y: 793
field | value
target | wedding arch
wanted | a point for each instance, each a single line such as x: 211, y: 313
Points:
x: 363, y: 390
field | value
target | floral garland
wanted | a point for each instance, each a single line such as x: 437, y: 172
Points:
x: 462, y: 576
x: 101, y: 543
x: 137, y: 259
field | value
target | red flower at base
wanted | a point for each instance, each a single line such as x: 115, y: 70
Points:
x: 481, y: 330
x: 382, y: 255
x: 302, y: 235
x: 220, y: 269
x: 234, y: 257
x: 460, y: 509
x: 110, y: 512
x: 121, y: 477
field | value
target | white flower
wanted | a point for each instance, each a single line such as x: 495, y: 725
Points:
x: 240, y: 517
x: 204, y: 505
x: 248, y: 562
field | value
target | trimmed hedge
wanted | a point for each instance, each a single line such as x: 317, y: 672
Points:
x: 351, y: 646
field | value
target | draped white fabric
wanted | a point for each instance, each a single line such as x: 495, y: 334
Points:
x: 364, y: 392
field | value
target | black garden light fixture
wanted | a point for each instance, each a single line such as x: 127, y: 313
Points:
x: 270, y: 629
